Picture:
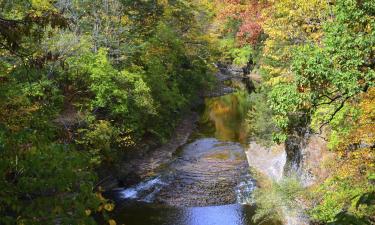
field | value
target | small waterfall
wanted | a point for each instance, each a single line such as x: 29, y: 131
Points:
x: 144, y: 191
x: 293, y: 149
x: 297, y: 150
x: 245, y: 189
x: 275, y: 163
x: 268, y: 161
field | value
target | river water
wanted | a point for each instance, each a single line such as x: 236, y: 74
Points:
x: 206, y: 183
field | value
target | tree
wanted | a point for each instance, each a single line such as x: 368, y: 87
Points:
x: 83, y: 81
x: 22, y: 23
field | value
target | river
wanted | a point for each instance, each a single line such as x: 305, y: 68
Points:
x: 207, y: 182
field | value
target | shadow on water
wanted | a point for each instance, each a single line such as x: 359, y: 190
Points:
x: 142, y: 214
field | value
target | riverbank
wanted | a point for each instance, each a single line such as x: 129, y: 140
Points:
x: 209, y: 174
x: 143, y: 163
x: 146, y: 164
x: 203, y: 164
x: 274, y: 168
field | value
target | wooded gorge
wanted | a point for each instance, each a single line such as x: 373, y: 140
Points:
x: 83, y: 83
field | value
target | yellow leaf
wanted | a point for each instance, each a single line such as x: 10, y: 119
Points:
x: 88, y: 212
x: 100, y: 196
x: 109, y: 206
x: 112, y: 222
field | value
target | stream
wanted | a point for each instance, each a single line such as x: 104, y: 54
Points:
x: 207, y: 182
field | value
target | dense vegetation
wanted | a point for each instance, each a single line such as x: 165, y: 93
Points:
x: 316, y: 60
x: 81, y: 82
x: 275, y: 198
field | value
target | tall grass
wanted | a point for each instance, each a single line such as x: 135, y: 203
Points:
x: 275, y: 200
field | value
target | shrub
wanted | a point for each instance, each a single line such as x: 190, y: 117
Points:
x: 274, y: 199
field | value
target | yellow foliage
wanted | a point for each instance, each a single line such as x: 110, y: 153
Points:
x: 41, y: 4
x: 278, y: 80
x: 88, y: 212
x: 109, y: 206
x: 125, y: 20
x: 112, y: 222
x: 355, y: 156
x: 100, y: 196
x: 290, y: 23
x: 365, y: 128
x: 355, y: 159
x: 163, y: 2
x: 363, y: 134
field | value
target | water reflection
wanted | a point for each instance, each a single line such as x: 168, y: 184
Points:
x: 211, y: 215
x: 217, y: 215
x: 224, y: 117
x: 212, y: 167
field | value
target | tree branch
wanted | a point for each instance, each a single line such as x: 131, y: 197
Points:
x: 334, y: 114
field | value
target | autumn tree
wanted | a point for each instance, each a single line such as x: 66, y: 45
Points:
x: 81, y: 83
x: 318, y: 76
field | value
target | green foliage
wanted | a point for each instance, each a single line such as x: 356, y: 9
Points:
x: 340, y: 125
x: 311, y: 74
x: 74, y: 99
x: 341, y: 67
x: 260, y: 126
x: 42, y: 184
x: 347, y: 198
x: 22, y: 24
x: 231, y: 53
x: 318, y: 75
x: 286, y: 104
x: 241, y: 56
x: 97, y: 140
x: 276, y: 198
x: 124, y: 94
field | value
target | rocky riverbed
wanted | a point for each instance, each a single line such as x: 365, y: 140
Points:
x: 143, y: 164
x: 211, y: 169
x: 204, y: 164
x: 206, y: 173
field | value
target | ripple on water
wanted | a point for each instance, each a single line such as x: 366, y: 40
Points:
x: 233, y: 214
x: 207, y: 172
x: 204, y: 179
x: 144, y: 191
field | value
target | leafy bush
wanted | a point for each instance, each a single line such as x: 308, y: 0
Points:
x: 52, y: 179
x: 241, y: 56
x: 73, y: 98
x: 276, y: 198
x: 341, y: 198
x: 260, y: 126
